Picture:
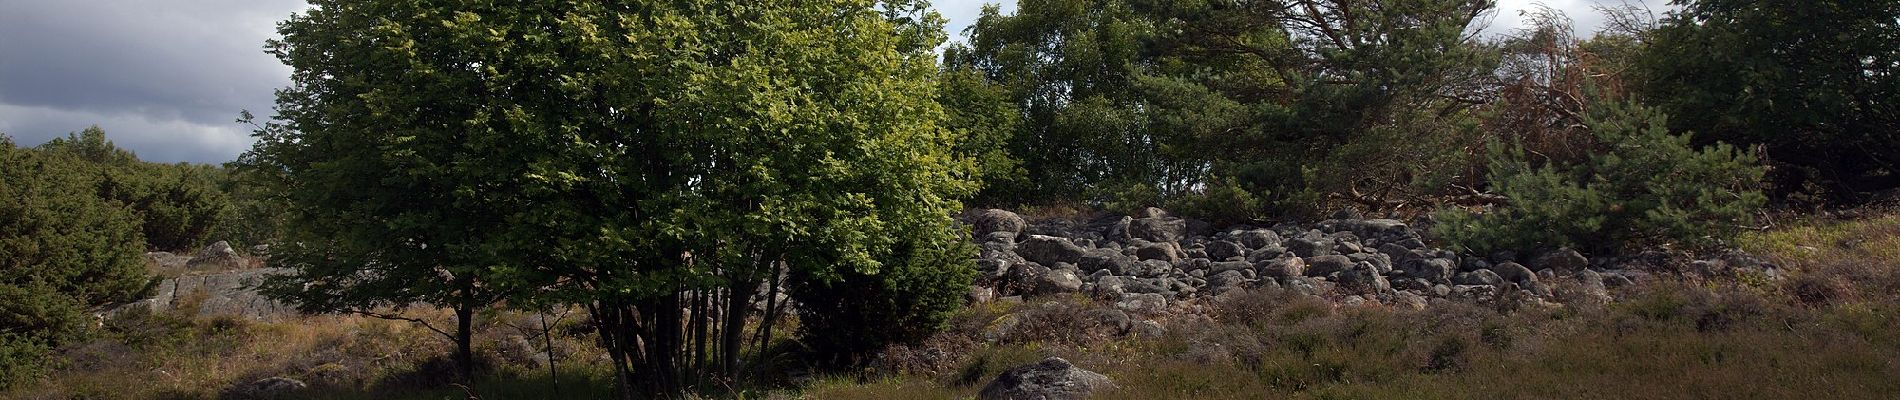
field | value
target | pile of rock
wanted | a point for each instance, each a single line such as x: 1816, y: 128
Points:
x: 1146, y: 262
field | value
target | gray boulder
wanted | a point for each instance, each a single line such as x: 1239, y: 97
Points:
x: 1052, y: 379
x: 1105, y: 259
x: 1259, y: 239
x: 990, y: 221
x: 1327, y: 265
x: 1224, y: 266
x: 1362, y: 278
x: 1284, y: 267
x: 216, y: 257
x: 1158, y: 229
x: 1479, y: 277
x: 1512, y: 272
x: 1225, y: 281
x: 1562, y: 260
x: 1431, y: 269
x: 1223, y: 250
x: 1305, y: 247
x: 1143, y: 303
x: 1049, y: 250
x: 1158, y: 251
x: 1058, y: 281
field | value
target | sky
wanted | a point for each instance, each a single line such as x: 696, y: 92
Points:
x: 167, y: 79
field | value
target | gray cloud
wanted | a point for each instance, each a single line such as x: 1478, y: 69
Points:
x: 163, y: 78
x: 166, y: 78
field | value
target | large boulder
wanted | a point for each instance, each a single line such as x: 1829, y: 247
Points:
x: 1226, y: 281
x: 1366, y: 228
x: 1284, y: 267
x: 1223, y: 250
x: 1058, y: 281
x: 1513, y: 272
x: 1362, y: 278
x: 1158, y: 229
x: 1437, y: 270
x: 1308, y: 247
x: 1142, y: 303
x: 1158, y: 251
x: 216, y: 257
x: 990, y: 221
x: 1049, y: 250
x: 1562, y: 260
x: 1105, y: 259
x: 1052, y: 379
x: 1259, y: 238
x: 1327, y: 265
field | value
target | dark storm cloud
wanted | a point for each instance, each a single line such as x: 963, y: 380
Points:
x: 163, y: 78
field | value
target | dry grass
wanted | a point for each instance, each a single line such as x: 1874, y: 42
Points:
x: 1825, y: 331
x: 175, y: 356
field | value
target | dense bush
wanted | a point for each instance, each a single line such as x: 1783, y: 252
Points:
x: 63, y: 249
x: 177, y: 204
x: 911, y: 296
x: 1642, y: 185
x: 1816, y: 82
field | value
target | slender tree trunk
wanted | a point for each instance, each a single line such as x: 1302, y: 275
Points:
x: 547, y: 340
x: 464, y: 351
x: 737, y: 303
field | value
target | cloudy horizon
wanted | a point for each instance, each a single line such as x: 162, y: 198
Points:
x: 167, y: 80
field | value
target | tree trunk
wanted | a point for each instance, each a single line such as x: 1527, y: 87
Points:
x: 464, y: 352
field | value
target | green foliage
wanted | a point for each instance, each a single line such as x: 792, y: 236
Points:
x: 1221, y: 201
x: 1644, y: 186
x: 641, y: 158
x: 63, y: 250
x: 1816, y: 82
x: 920, y: 286
x: 22, y: 360
x: 981, y: 111
x: 1173, y: 95
x: 178, y: 204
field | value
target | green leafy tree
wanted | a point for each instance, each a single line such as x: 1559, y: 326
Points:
x: 759, y: 140
x: 660, y: 164
x: 385, y: 156
x: 1258, y: 95
x: 63, y: 250
x: 1642, y: 186
x: 1817, y: 83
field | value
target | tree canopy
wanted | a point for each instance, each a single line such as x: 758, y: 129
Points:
x: 1817, y: 83
x: 663, y: 164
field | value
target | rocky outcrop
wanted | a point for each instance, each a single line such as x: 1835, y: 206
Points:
x: 1147, y: 262
x: 1052, y: 379
x: 217, y: 281
x: 231, y: 293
